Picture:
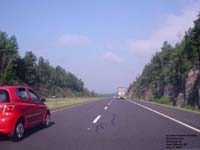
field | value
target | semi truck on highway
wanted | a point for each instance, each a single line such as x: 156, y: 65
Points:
x: 121, y: 92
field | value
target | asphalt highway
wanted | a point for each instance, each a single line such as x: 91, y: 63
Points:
x: 113, y: 124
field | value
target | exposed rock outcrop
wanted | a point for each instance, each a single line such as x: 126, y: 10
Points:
x: 188, y: 95
x: 169, y: 91
x: 147, y: 94
x: 192, y: 86
x: 134, y: 92
x: 180, y: 100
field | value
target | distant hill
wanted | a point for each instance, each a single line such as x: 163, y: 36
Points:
x: 36, y: 72
x: 173, y: 73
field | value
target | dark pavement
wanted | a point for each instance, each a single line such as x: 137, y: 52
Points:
x: 121, y: 125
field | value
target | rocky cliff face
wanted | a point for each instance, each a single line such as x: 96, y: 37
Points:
x: 192, y: 86
x: 180, y: 99
x: 147, y: 94
x: 136, y: 92
x: 189, y: 94
x: 169, y: 91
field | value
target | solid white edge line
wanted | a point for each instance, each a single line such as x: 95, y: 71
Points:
x: 96, y: 119
x: 177, y: 121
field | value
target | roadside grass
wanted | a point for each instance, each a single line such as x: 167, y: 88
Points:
x: 166, y: 102
x: 56, y: 103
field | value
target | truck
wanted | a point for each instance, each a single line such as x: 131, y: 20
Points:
x: 121, y: 92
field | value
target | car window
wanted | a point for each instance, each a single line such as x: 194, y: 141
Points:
x: 34, y: 97
x: 21, y: 92
x: 4, y: 96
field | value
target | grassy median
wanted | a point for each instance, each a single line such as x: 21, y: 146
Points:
x: 56, y: 103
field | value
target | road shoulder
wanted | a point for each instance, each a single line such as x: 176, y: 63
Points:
x: 183, y: 116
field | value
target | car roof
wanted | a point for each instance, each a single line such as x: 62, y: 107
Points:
x: 12, y: 87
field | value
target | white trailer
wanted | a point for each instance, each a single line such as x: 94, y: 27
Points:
x: 121, y: 92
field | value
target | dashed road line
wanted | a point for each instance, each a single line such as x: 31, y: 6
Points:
x: 105, y: 107
x: 96, y: 119
x: 110, y: 102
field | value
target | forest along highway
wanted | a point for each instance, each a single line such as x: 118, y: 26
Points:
x: 114, y: 124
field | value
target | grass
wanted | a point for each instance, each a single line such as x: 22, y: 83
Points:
x: 163, y: 101
x: 56, y: 103
x: 168, y: 103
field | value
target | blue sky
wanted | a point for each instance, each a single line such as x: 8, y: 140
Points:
x: 106, y: 43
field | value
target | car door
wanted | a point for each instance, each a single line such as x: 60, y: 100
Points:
x: 38, y: 107
x: 25, y: 105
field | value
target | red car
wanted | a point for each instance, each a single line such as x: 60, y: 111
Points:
x: 21, y: 108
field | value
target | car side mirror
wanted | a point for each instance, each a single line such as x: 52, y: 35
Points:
x: 43, y: 100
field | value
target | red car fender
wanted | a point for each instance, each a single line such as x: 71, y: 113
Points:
x: 16, y: 117
x: 44, y: 115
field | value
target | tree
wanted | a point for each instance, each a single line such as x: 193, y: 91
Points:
x: 37, y: 74
x: 8, y: 57
x: 169, y: 66
x: 30, y: 68
x: 44, y: 71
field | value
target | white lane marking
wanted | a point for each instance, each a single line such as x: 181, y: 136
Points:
x: 177, y: 121
x: 105, y: 107
x: 96, y: 119
x: 110, y: 102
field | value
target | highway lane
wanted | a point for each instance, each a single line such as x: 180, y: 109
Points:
x: 110, y: 124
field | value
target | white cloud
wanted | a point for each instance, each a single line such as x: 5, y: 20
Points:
x: 143, y: 47
x: 111, y: 57
x: 74, y: 40
x: 172, y: 30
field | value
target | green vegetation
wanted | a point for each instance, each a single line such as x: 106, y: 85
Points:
x: 163, y: 100
x: 187, y: 108
x: 36, y: 72
x: 169, y: 67
x: 65, y: 102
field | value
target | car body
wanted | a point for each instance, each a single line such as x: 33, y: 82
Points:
x: 21, y: 108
